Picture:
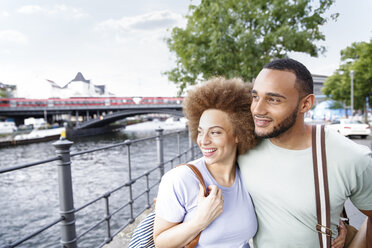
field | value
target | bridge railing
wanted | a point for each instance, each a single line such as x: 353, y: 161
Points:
x: 68, y: 235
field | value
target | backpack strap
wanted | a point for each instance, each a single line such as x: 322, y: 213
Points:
x: 323, y: 225
x: 197, y: 173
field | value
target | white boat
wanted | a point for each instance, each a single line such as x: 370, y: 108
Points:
x: 7, y: 127
x: 40, y: 134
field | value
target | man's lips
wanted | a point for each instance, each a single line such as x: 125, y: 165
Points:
x: 262, y: 122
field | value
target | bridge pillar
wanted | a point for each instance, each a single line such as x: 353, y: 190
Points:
x: 19, y: 121
x: 77, y: 124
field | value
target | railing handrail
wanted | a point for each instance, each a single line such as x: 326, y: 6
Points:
x: 67, y: 218
x: 39, y: 162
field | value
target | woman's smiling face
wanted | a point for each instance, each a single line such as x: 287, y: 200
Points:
x: 216, y: 137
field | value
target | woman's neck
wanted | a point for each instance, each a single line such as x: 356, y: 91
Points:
x: 224, y: 173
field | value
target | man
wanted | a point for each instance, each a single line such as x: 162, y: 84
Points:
x: 279, y: 171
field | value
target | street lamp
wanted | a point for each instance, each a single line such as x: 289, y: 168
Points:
x: 352, y: 92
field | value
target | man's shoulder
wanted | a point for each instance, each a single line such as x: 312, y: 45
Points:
x: 339, y: 143
x: 254, y: 154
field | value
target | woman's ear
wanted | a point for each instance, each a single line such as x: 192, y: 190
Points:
x: 236, y: 140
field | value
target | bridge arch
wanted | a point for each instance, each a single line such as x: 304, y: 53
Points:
x: 107, y: 119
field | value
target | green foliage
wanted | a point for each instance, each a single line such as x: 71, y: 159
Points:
x: 357, y: 57
x: 236, y: 38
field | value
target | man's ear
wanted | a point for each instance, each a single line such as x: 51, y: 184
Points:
x: 306, y: 103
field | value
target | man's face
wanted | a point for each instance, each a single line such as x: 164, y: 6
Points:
x: 275, y: 102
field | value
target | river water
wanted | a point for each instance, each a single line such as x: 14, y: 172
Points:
x: 29, y: 197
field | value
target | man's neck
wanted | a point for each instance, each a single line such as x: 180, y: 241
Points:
x: 298, y: 137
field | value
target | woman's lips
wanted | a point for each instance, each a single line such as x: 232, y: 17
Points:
x: 209, y: 152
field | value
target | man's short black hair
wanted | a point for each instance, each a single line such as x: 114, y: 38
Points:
x: 304, y: 80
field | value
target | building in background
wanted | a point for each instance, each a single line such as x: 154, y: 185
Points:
x: 78, y: 87
x: 318, y: 85
x: 8, y: 90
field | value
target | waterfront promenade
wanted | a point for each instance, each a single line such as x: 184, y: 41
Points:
x: 92, y: 162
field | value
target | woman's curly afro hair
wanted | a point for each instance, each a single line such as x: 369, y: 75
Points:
x: 229, y: 95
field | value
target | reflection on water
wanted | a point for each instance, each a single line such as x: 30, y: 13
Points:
x: 29, y: 197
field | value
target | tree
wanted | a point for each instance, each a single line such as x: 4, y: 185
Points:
x: 236, y: 38
x: 357, y: 57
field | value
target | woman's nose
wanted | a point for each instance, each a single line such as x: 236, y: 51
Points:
x: 205, y: 139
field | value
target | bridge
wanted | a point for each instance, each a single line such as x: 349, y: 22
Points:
x: 93, y: 116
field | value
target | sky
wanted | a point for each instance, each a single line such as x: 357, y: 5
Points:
x: 120, y: 43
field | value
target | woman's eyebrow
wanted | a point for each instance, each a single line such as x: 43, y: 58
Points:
x: 212, y: 127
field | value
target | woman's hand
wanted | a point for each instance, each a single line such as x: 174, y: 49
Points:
x: 210, y: 207
x: 339, y: 241
x: 167, y: 234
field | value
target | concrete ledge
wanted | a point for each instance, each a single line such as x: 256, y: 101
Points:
x: 122, y: 239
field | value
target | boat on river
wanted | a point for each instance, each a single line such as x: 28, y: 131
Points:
x: 7, y: 127
x: 36, y: 135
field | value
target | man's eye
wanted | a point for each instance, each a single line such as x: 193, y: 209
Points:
x: 254, y: 97
x: 215, y: 132
x: 273, y: 100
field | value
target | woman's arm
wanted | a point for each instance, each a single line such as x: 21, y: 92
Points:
x: 360, y: 238
x: 168, y: 234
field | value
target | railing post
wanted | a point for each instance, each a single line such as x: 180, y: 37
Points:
x: 179, y: 147
x: 191, y: 146
x: 130, y: 182
x: 159, y: 145
x: 66, y: 199
x: 148, y: 190
x: 107, y: 218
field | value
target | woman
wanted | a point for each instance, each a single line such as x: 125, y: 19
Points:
x: 221, y: 123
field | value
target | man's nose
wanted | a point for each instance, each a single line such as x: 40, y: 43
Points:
x: 259, y: 107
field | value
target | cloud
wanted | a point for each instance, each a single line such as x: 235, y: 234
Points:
x: 150, y: 22
x: 4, y: 14
x: 56, y: 10
x: 13, y: 37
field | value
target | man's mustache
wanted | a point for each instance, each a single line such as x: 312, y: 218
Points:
x: 263, y: 117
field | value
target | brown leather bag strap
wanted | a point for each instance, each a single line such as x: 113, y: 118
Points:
x: 323, y: 226
x: 369, y: 232
x: 197, y: 173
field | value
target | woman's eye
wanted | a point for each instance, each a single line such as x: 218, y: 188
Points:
x: 215, y: 132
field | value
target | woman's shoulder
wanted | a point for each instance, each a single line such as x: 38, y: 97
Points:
x: 182, y: 174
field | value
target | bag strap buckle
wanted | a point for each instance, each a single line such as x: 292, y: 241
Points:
x: 324, y: 230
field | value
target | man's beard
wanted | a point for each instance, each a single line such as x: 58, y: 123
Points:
x: 282, y: 127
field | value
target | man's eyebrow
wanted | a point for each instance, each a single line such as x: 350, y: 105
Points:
x: 270, y: 94
x: 275, y: 94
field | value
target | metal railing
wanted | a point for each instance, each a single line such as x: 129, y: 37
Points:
x: 68, y: 235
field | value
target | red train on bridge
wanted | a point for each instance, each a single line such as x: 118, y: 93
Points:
x: 86, y: 101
